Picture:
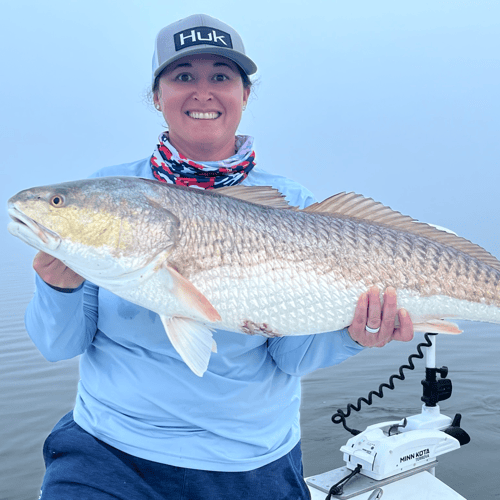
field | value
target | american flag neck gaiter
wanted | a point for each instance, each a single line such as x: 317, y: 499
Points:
x: 170, y: 166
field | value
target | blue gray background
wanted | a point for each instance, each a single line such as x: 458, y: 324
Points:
x: 395, y: 100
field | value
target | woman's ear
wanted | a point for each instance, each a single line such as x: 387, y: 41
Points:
x: 246, y: 95
x: 156, y: 101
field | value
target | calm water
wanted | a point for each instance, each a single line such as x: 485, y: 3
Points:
x: 34, y: 394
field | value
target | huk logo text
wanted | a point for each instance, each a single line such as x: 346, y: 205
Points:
x: 202, y: 35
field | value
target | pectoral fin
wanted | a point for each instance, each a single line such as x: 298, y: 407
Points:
x: 190, y: 337
x: 186, y: 293
x: 437, y: 326
x: 192, y: 340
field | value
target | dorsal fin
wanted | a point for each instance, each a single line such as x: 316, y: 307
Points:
x: 356, y: 206
x: 261, y: 195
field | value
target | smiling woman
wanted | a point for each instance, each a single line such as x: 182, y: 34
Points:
x: 202, y: 98
x: 144, y: 425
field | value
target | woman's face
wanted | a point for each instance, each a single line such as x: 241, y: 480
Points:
x: 201, y: 98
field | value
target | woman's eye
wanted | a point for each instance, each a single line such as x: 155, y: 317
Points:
x: 184, y: 77
x: 221, y: 77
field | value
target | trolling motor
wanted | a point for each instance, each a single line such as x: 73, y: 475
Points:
x: 391, y: 458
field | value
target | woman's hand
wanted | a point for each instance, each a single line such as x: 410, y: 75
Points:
x: 369, y: 313
x: 54, y: 272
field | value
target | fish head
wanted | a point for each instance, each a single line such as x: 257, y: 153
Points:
x: 23, y: 210
x: 102, y: 228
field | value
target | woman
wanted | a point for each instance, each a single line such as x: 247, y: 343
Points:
x: 144, y: 426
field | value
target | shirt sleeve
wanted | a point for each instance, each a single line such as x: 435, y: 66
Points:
x: 302, y: 354
x: 62, y: 325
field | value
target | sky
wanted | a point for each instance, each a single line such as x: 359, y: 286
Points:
x: 395, y: 100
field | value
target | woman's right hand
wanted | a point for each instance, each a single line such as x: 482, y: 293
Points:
x: 54, y: 272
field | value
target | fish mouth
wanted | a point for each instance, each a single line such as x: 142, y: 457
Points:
x: 30, y: 231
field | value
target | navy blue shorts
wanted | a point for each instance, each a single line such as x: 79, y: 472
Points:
x: 81, y: 467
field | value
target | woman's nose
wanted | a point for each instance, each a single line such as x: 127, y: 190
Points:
x: 202, y: 91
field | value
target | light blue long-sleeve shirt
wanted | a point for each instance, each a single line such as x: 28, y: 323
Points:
x: 137, y: 395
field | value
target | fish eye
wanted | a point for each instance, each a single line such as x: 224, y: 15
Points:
x: 57, y: 200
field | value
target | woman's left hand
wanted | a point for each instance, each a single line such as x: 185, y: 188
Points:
x: 370, y: 313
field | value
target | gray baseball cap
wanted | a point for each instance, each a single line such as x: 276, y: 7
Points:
x: 199, y: 34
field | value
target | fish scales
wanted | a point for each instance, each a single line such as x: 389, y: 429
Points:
x: 203, y: 260
x: 284, y: 248
x: 369, y: 252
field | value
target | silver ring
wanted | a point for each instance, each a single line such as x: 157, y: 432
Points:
x: 372, y: 330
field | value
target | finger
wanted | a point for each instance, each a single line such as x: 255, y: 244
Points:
x: 41, y: 260
x: 357, y: 328
x: 44, y: 264
x: 360, y: 313
x: 374, y: 308
x: 54, y: 272
x: 389, y: 311
x: 405, y: 331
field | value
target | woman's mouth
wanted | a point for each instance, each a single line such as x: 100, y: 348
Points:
x: 213, y: 115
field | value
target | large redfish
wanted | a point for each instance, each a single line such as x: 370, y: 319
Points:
x: 239, y: 259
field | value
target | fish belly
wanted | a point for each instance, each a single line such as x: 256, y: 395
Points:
x: 279, y: 302
x: 275, y: 303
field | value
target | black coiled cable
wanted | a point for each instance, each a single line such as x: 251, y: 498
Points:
x: 340, y: 416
